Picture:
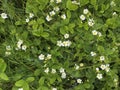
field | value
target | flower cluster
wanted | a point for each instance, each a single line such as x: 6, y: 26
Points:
x: 42, y: 57
x: 8, y: 50
x: 63, y: 74
x: 20, y: 45
x: 52, y: 13
x: 31, y: 15
x: 94, y: 32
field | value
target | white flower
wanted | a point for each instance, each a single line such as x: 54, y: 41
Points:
x: 41, y: 57
x: 53, y: 71
x: 51, y: 1
x: 94, y: 32
x: 103, y: 67
x: 63, y: 75
x: 81, y: 64
x: 85, y: 11
x: 66, y: 43
x: 20, y: 88
x: 114, y: 14
x: 8, y: 48
x: 97, y: 69
x: 62, y: 70
x: 19, y: 43
x: 102, y: 58
x: 52, y: 13
x: 99, y: 76
x: 93, y: 53
x: 63, y: 16
x: 4, y: 15
x: 113, y: 3
x: 58, y: 1
x: 99, y: 34
x: 66, y: 36
x: 7, y: 53
x: 79, y: 81
x: 107, y: 69
x: 24, y: 47
x: 31, y: 15
x: 49, y: 56
x: 76, y: 67
x: 82, y: 17
x: 54, y: 88
x: 91, y: 22
x: 27, y: 20
x: 48, y: 18
x: 59, y: 43
x: 46, y: 70
x: 56, y: 9
x: 75, y: 2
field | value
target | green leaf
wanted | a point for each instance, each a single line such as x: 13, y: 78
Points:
x: 2, y: 65
x: 20, y: 83
x: 4, y: 76
x: 30, y: 79
x: 84, y: 2
x: 45, y: 34
x: 41, y: 81
x: 64, y: 30
x: 71, y: 6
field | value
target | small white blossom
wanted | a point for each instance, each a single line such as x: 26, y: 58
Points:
x: 7, y: 53
x: 99, y: 34
x: 99, y: 76
x: 54, y: 88
x: 85, y: 11
x: 58, y: 1
x: 48, y: 18
x: 63, y: 16
x: 81, y: 64
x: 103, y: 67
x: 51, y: 1
x: 56, y: 9
x: 49, y: 56
x: 113, y: 3
x: 62, y: 70
x: 91, y: 22
x: 94, y: 32
x: 75, y: 2
x: 46, y: 70
x: 66, y: 36
x: 67, y: 43
x: 8, y: 48
x: 79, y: 81
x: 107, y: 69
x: 24, y: 47
x: 93, y: 53
x: 20, y: 88
x: 41, y: 57
x: 97, y: 69
x: 76, y: 67
x: 63, y: 75
x: 27, y: 20
x: 4, y: 15
x: 82, y: 17
x: 52, y: 13
x: 19, y: 43
x: 102, y: 58
x: 114, y: 14
x: 59, y: 43
x: 53, y: 71
x: 31, y: 15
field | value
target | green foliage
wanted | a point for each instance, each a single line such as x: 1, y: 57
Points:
x: 59, y: 44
